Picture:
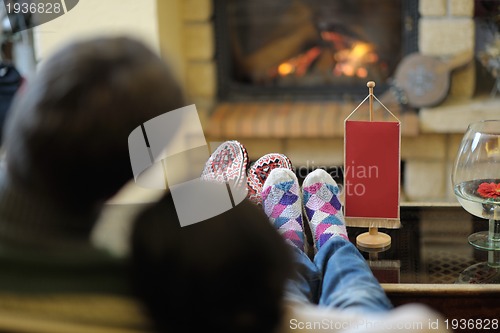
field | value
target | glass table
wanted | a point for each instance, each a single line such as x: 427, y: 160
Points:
x: 430, y: 247
x: 428, y: 256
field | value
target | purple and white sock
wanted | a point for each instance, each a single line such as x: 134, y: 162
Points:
x: 282, y: 203
x: 323, y: 208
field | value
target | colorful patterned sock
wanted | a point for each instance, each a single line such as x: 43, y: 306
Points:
x: 282, y: 203
x: 323, y: 208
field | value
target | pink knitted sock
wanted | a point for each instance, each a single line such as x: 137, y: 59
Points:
x: 282, y: 203
x: 323, y: 208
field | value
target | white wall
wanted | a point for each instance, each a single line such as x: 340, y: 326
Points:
x: 137, y: 18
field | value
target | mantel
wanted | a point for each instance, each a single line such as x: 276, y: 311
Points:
x: 455, y: 115
x: 291, y: 120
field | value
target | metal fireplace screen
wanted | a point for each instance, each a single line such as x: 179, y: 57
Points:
x: 285, y: 48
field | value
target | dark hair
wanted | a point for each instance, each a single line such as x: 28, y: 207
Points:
x: 225, y: 274
x: 67, y: 132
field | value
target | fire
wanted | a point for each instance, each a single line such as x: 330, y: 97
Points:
x: 285, y: 68
x: 353, y: 61
x: 299, y: 65
x: 349, y: 58
x: 362, y: 72
x: 360, y: 50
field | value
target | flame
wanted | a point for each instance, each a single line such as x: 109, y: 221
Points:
x: 300, y: 63
x: 336, y: 39
x: 362, y: 72
x: 348, y: 70
x: 359, y: 50
x: 285, y: 68
x: 353, y: 61
x: 350, y: 58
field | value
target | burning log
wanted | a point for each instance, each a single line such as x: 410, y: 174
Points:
x: 293, y: 32
x: 259, y: 63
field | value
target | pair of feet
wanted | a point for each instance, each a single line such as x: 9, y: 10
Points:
x: 271, y: 182
x: 285, y: 203
x: 230, y: 163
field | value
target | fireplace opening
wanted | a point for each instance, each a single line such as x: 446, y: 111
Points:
x: 286, y: 49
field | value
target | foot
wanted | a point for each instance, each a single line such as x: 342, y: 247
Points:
x: 323, y: 208
x: 227, y: 164
x: 282, y: 203
x: 260, y: 170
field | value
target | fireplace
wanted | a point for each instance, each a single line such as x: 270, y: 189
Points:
x: 309, y: 48
x: 310, y: 130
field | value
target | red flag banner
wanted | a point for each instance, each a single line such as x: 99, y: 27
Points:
x: 372, y: 173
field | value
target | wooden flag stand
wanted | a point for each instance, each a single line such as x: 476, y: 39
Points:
x: 373, y: 238
x: 372, y: 144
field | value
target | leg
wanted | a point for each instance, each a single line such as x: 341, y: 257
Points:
x: 348, y: 282
x: 282, y: 203
x: 306, y: 285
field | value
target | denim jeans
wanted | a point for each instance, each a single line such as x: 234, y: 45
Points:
x: 338, y: 277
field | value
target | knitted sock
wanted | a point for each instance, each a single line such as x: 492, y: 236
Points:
x: 228, y: 163
x: 282, y: 203
x: 323, y: 208
x: 259, y: 171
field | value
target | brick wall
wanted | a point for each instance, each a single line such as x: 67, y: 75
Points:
x: 446, y: 28
x: 199, y: 50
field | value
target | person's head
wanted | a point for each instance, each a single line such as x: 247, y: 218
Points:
x: 67, y: 132
x: 225, y: 274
